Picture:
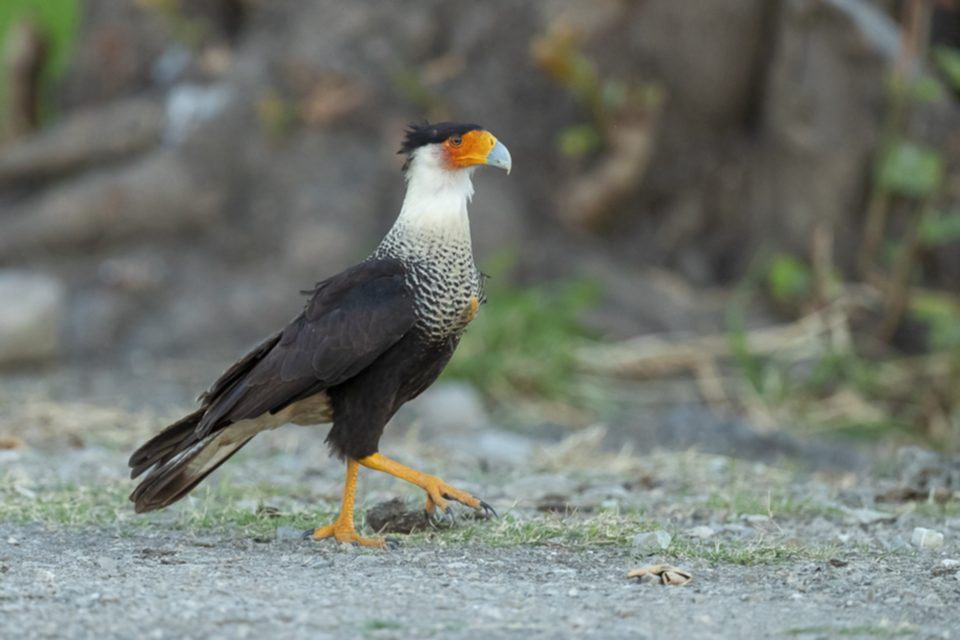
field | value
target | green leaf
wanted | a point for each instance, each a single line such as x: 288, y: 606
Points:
x: 947, y: 60
x: 927, y: 89
x: 911, y: 170
x: 940, y: 228
x: 942, y: 315
x: 613, y: 95
x: 58, y: 22
x: 577, y: 141
x: 788, y: 278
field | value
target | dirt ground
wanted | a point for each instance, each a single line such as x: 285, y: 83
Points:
x: 772, y: 552
x: 95, y: 584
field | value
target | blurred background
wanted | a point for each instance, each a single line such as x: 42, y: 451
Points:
x: 731, y: 224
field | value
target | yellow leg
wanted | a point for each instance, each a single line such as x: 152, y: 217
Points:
x: 438, y: 491
x: 343, y: 529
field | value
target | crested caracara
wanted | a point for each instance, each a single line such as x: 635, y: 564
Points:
x: 369, y: 339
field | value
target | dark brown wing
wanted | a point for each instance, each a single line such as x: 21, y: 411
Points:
x: 349, y: 322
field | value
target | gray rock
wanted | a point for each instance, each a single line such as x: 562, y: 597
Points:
x: 689, y: 426
x: 455, y: 406
x: 926, y: 470
x: 537, y: 487
x: 31, y: 314
x: 289, y: 534
x: 493, y: 445
x: 651, y: 542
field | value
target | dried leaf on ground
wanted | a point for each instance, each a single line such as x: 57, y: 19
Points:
x: 665, y: 573
x: 12, y: 442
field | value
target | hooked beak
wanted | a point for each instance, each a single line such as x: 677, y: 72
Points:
x: 499, y: 157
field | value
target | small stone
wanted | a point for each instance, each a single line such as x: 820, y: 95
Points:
x: 701, y: 532
x: 289, y: 534
x: 45, y: 576
x: 926, y: 538
x: 897, y: 544
x: 932, y: 600
x: 573, y: 593
x: 867, y: 517
x: 651, y: 542
x: 107, y: 565
x: 13, y: 541
x: 947, y: 566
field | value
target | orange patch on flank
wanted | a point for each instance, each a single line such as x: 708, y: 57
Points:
x: 474, y: 149
x: 471, y: 312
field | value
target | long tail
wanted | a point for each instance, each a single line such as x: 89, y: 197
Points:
x: 182, y: 460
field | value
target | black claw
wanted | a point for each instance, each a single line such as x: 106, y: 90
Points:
x: 485, y: 506
x: 426, y: 515
x: 392, y: 543
x: 453, y: 517
x: 356, y: 545
x: 307, y: 534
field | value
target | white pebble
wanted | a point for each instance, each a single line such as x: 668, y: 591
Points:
x: 701, y: 532
x: 926, y: 538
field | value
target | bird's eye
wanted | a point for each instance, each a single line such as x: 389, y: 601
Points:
x: 456, y: 141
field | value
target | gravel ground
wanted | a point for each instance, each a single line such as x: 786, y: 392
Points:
x: 94, y: 584
x: 772, y: 553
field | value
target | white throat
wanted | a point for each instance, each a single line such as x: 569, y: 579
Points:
x: 434, y: 211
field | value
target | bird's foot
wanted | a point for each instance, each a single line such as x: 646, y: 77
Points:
x: 345, y: 533
x: 439, y: 492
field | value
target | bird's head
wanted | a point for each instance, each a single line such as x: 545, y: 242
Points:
x: 452, y: 146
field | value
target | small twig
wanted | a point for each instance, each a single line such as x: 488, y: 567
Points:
x: 897, y: 294
x: 23, y: 57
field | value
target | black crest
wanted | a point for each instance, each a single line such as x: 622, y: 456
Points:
x: 424, y: 133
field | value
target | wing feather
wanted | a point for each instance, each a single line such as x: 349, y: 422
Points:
x: 349, y: 321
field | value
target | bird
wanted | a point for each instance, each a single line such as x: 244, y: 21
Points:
x: 369, y: 339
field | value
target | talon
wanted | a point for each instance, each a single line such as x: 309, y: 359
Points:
x: 438, y: 491
x: 487, y: 507
x: 307, y: 534
x: 391, y: 543
x: 343, y: 530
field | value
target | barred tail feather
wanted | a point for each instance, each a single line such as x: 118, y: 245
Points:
x: 182, y: 461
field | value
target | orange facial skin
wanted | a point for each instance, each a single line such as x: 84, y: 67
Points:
x: 473, y: 148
